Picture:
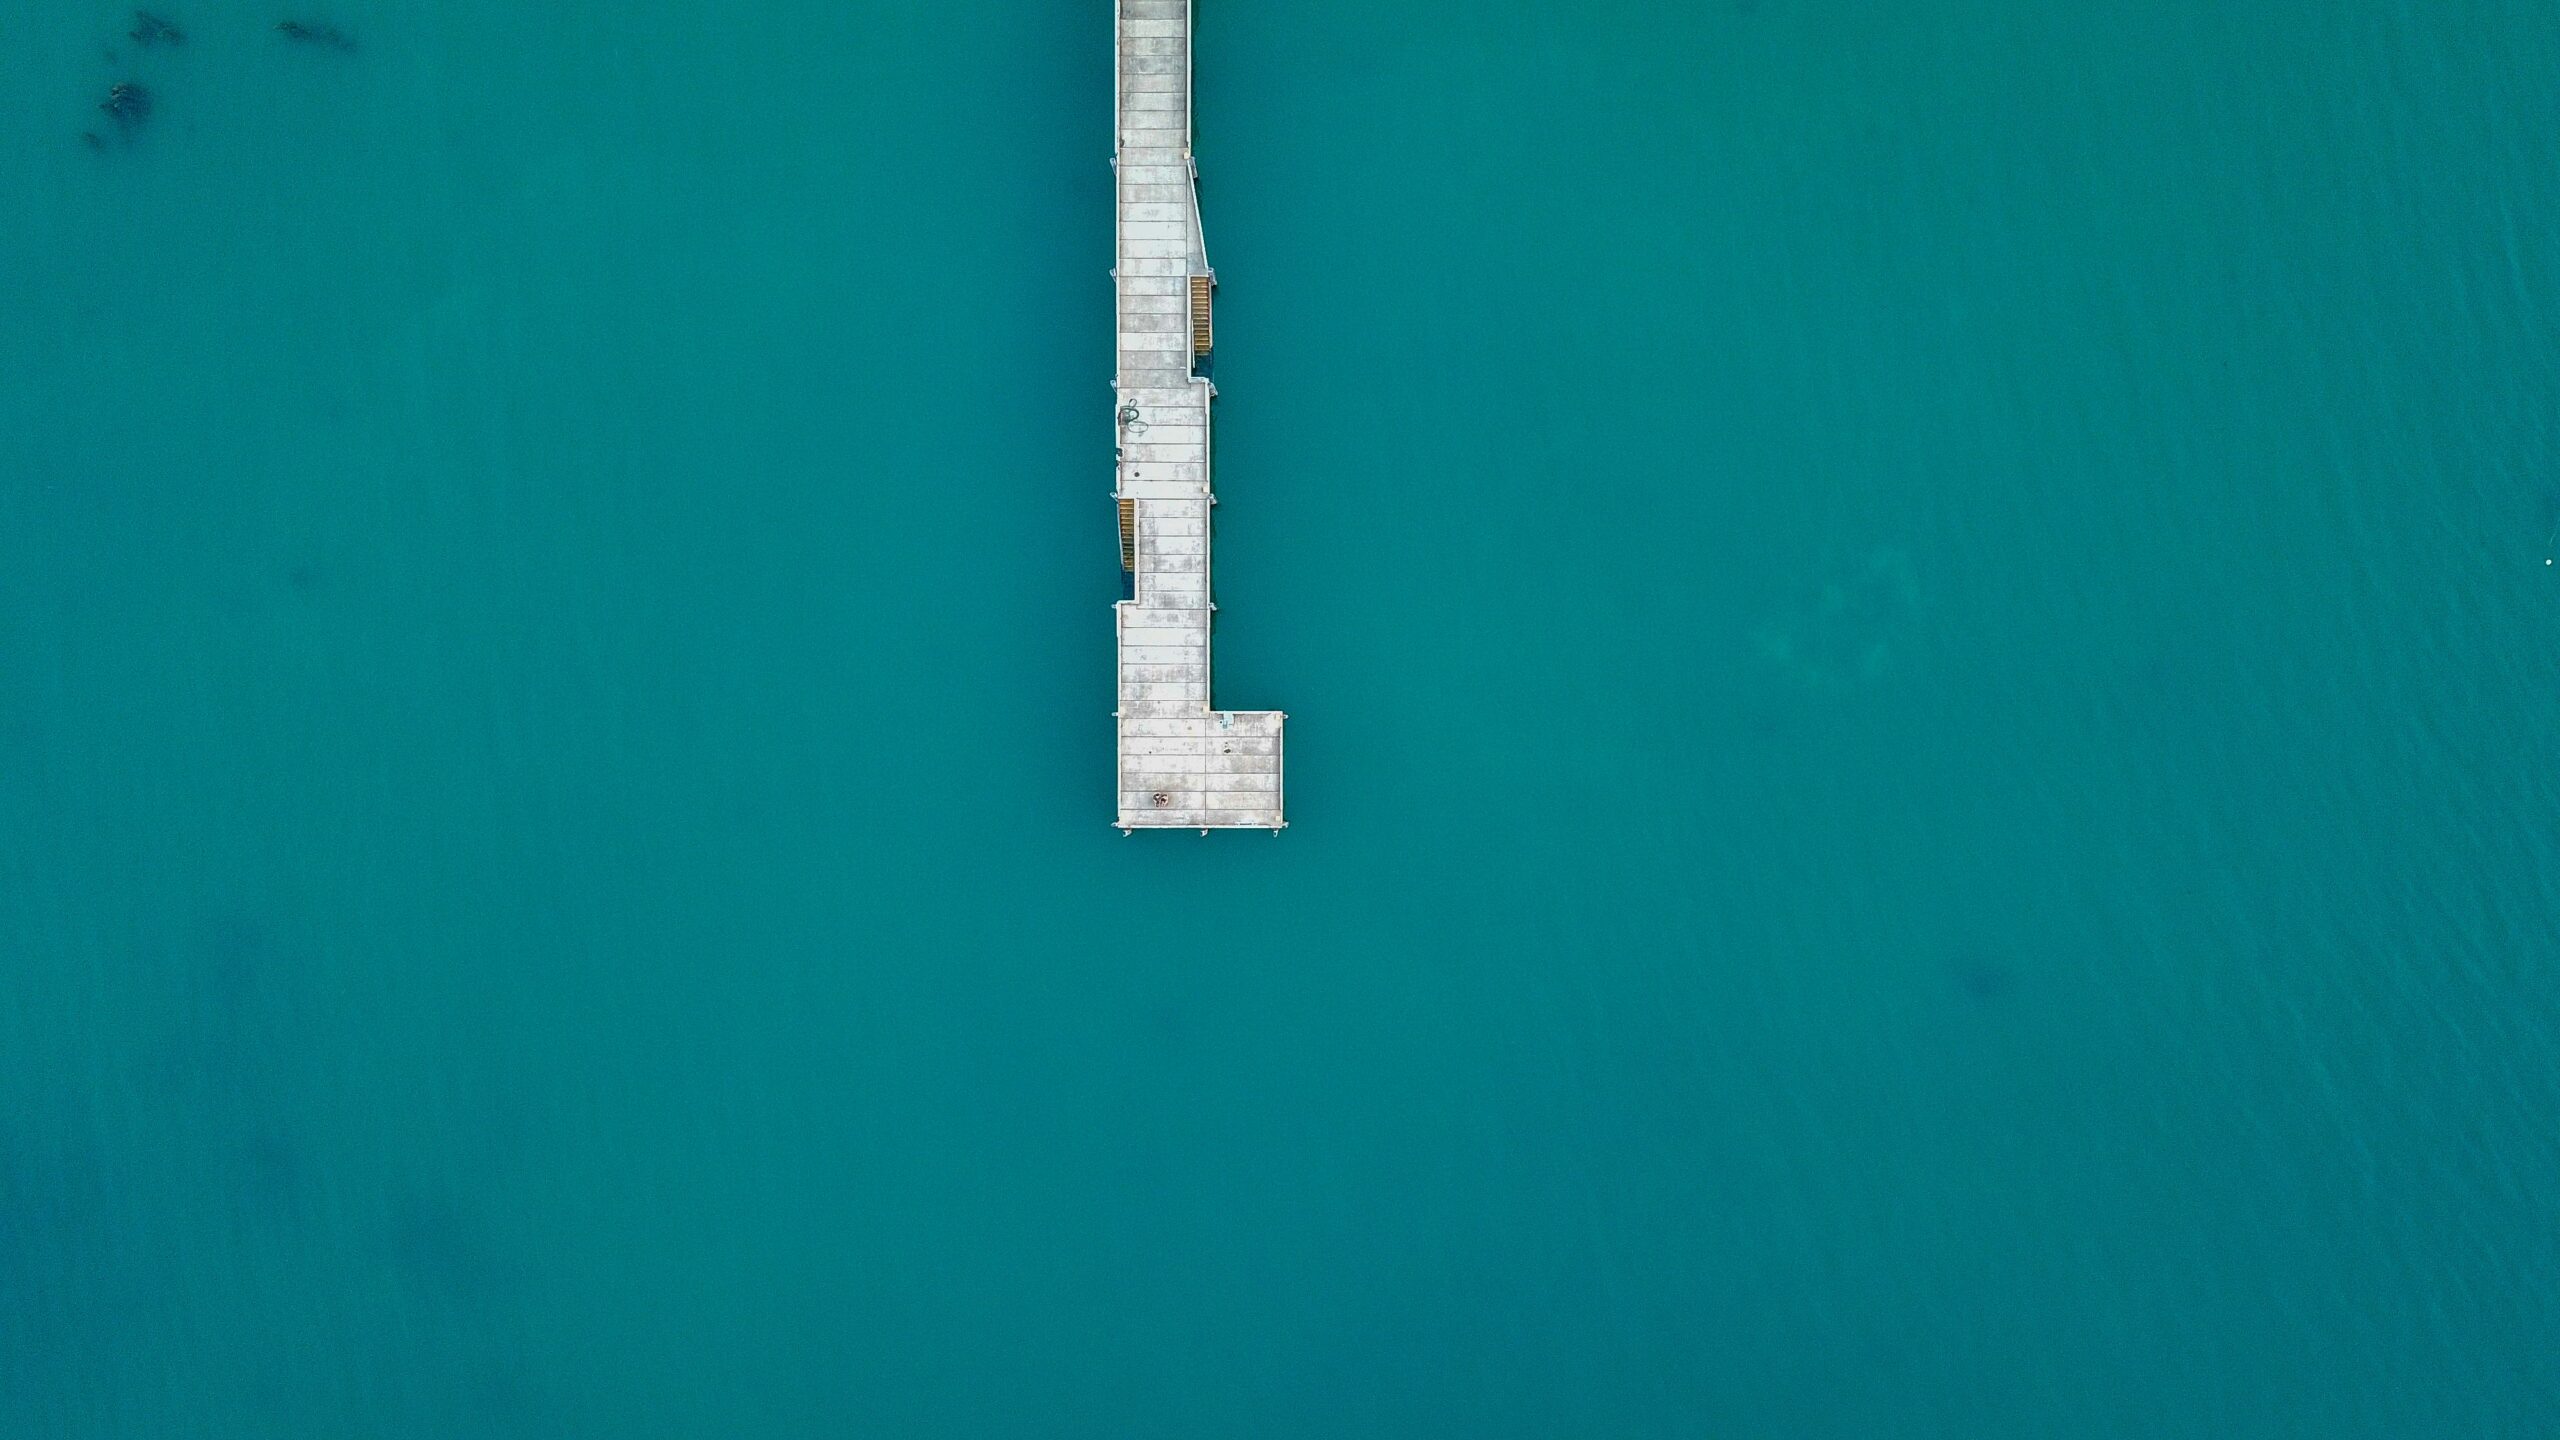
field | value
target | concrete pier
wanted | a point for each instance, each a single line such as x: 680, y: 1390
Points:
x: 1182, y: 763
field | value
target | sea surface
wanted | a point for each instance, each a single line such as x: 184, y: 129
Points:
x: 1924, y: 691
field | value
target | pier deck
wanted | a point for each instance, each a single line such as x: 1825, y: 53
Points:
x: 1182, y: 764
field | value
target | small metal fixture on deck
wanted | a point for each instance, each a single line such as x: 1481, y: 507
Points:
x: 1182, y: 764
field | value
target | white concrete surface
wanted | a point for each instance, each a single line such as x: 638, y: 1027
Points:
x: 1182, y: 764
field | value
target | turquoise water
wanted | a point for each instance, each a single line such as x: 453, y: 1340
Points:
x: 1921, y: 680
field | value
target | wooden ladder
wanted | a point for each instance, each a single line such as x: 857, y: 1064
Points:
x: 1129, y: 535
x: 1199, y: 315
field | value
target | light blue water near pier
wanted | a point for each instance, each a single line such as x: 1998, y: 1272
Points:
x: 1921, y: 685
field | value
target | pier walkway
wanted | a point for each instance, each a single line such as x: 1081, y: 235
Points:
x: 1182, y: 764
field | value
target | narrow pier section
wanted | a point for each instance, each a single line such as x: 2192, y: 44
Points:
x: 1183, y: 764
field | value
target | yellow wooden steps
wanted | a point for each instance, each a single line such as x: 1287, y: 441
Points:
x: 1199, y: 315
x: 1129, y: 535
